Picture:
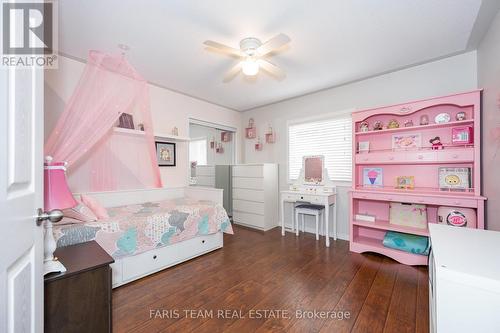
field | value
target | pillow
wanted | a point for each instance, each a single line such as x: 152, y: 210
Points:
x: 80, y: 212
x: 95, y: 206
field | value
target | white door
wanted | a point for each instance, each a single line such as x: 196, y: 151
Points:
x: 21, y: 194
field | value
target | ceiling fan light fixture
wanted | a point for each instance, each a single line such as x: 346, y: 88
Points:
x: 250, y: 66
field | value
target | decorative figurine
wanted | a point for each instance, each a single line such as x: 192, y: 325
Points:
x: 460, y: 116
x: 442, y: 118
x: 175, y: 131
x: 424, y: 119
x: 363, y: 127
x: 141, y: 127
x: 409, y: 123
x: 436, y: 143
x: 378, y: 126
x: 393, y: 124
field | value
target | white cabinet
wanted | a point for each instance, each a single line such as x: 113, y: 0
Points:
x: 255, y: 195
x: 464, y: 279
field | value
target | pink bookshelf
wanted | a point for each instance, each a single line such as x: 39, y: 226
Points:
x: 407, y: 151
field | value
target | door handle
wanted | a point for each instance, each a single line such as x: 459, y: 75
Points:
x: 53, y: 216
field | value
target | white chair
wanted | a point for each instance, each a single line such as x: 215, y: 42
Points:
x: 312, y: 210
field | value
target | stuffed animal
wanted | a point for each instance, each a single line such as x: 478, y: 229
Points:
x: 436, y: 143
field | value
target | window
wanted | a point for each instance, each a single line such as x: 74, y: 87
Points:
x: 198, y: 151
x: 331, y: 138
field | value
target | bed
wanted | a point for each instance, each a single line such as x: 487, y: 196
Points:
x: 150, y: 230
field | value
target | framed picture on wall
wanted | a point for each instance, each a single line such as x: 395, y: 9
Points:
x: 165, y: 153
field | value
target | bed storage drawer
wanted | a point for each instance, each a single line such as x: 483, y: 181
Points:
x: 154, y: 260
x: 147, y: 262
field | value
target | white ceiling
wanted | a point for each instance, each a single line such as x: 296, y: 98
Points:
x: 333, y: 41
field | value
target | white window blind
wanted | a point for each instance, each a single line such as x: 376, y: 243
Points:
x: 331, y: 138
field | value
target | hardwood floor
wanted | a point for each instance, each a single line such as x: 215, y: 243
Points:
x: 258, y: 271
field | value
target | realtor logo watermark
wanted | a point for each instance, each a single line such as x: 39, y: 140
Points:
x: 29, y: 34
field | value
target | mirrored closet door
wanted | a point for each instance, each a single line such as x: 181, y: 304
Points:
x: 211, y: 154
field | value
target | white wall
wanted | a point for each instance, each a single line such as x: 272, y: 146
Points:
x: 168, y: 109
x: 446, y: 76
x: 489, y: 79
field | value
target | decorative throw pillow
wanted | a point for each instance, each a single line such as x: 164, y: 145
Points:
x: 95, y: 206
x: 80, y: 212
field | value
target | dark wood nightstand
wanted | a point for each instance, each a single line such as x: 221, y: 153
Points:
x: 79, y: 300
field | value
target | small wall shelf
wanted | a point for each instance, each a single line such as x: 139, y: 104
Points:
x: 127, y: 131
x: 157, y: 135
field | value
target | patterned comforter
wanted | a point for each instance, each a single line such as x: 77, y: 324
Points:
x: 134, y: 229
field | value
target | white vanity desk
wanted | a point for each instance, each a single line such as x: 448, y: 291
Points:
x: 314, y: 187
x: 318, y: 198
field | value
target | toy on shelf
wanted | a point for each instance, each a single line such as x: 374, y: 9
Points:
x: 364, y: 127
x: 436, y: 143
x: 442, y: 118
x: 409, y: 123
x: 378, y: 126
x: 460, y: 116
x: 424, y: 120
x: 393, y: 124
x: 251, y: 131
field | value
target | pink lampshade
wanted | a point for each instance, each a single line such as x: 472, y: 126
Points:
x: 56, y: 192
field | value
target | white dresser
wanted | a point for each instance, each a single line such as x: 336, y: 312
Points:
x: 255, y: 195
x: 464, y: 280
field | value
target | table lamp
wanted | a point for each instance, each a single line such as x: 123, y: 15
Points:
x: 57, y: 197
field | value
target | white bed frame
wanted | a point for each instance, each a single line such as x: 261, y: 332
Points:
x: 131, y: 268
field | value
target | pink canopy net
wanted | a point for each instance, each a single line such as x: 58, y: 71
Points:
x: 100, y: 156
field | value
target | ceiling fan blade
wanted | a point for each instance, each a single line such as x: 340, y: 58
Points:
x: 231, y: 74
x: 222, y: 48
x: 273, y: 44
x: 272, y: 69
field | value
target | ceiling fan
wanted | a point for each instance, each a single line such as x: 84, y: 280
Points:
x: 252, y: 53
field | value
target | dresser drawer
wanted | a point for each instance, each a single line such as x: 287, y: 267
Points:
x: 250, y: 195
x: 297, y: 197
x: 249, y: 219
x: 456, y: 155
x: 248, y: 206
x: 427, y: 200
x: 248, y: 183
x: 379, y: 157
x: 421, y: 156
x: 253, y: 171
